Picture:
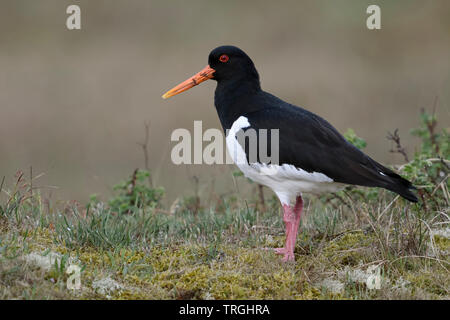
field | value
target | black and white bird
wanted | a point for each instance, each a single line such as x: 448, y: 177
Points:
x: 313, y: 157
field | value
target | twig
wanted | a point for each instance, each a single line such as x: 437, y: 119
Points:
x: 261, y: 197
x: 445, y: 192
x: 197, y: 197
x: 387, y: 207
x: 133, y: 182
x: 420, y: 192
x: 1, y: 184
x: 446, y: 166
x: 432, y: 242
x: 144, y: 147
x: 31, y: 181
x: 341, y: 199
x: 431, y: 126
x: 131, y: 187
x: 399, y: 148
x: 422, y: 257
x: 196, y: 182
x: 19, y: 176
x: 439, y: 184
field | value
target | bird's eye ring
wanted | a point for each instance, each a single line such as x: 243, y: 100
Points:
x: 224, y: 58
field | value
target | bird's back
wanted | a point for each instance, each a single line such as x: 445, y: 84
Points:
x: 310, y: 143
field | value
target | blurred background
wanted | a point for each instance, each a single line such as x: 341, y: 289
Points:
x: 73, y: 103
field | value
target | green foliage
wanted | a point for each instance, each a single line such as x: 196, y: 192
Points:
x: 351, y: 137
x: 428, y: 170
x: 433, y: 144
x: 430, y: 167
x: 101, y: 229
x: 135, y: 193
x: 237, y: 173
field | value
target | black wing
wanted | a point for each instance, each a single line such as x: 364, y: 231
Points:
x: 311, y: 143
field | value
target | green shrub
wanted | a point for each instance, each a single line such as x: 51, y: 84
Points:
x: 135, y: 193
x: 430, y: 167
x: 428, y: 170
x: 351, y: 137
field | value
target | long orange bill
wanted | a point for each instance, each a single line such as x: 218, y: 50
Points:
x: 205, y: 74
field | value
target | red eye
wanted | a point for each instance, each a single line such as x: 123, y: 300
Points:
x: 224, y: 58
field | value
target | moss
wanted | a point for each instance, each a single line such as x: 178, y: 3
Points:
x: 42, y: 238
x: 131, y: 295
x: 431, y: 282
x: 442, y: 243
x: 187, y: 271
x: 229, y: 269
x: 240, y: 275
x: 94, y: 259
x: 348, y: 249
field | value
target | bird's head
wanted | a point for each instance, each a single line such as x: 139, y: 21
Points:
x: 225, y: 63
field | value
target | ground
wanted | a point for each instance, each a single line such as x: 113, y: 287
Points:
x: 340, y: 254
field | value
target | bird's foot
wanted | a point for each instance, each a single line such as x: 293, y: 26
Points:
x: 288, y: 256
x: 280, y: 250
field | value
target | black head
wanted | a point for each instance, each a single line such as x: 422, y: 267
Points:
x: 231, y: 63
x: 227, y: 64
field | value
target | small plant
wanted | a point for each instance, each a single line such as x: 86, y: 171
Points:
x: 430, y: 168
x: 135, y: 193
x: 351, y: 137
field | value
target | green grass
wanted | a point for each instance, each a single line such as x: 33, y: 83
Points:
x: 219, y: 255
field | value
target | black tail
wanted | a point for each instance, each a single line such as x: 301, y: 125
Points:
x: 397, y: 184
x: 403, y: 187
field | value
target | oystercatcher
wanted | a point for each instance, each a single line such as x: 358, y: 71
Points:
x: 313, y: 157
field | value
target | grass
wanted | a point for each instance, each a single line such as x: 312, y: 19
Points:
x: 220, y: 255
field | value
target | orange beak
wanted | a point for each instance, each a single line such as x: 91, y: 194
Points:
x: 205, y: 74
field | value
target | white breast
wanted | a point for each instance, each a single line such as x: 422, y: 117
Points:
x: 285, y: 180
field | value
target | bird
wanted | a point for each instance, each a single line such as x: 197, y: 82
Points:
x: 313, y: 157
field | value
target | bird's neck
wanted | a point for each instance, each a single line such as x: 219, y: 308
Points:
x: 234, y: 99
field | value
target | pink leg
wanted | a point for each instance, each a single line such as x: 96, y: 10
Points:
x: 291, y: 218
x: 287, y: 218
